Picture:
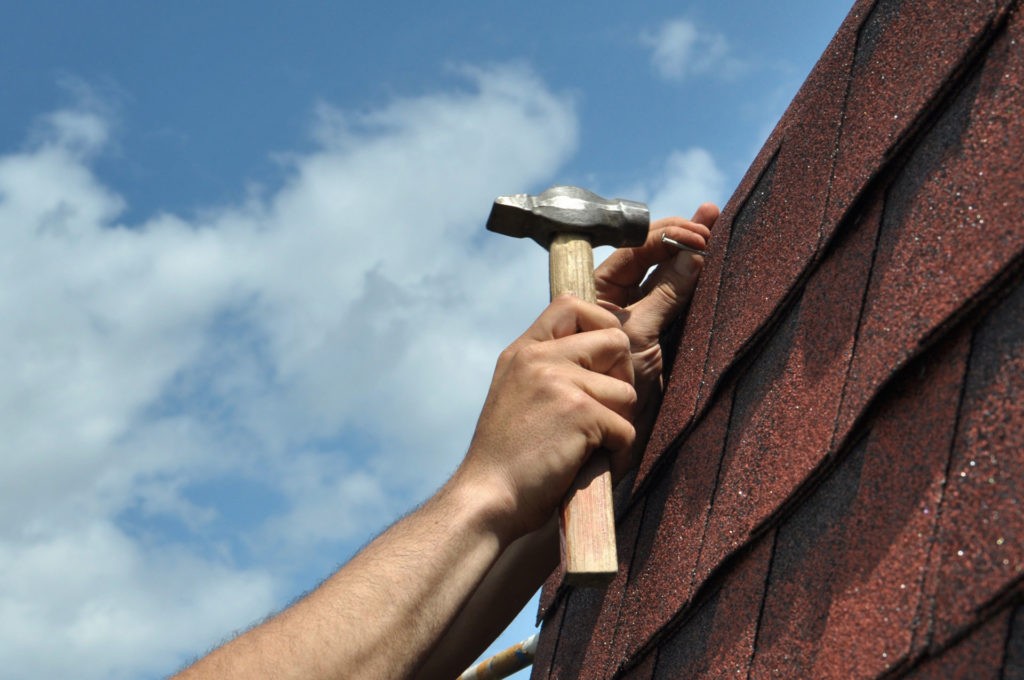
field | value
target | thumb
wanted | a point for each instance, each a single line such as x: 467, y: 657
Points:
x: 670, y: 286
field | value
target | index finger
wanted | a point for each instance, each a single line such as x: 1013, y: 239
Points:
x: 567, y: 315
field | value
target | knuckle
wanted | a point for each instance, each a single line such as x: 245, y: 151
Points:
x: 629, y: 430
x: 530, y: 355
x: 574, y: 400
x: 629, y: 398
x: 618, y: 343
x: 565, y: 301
x: 619, y: 436
x: 623, y: 339
x: 508, y: 355
x: 627, y: 433
x: 547, y: 377
x: 614, y: 337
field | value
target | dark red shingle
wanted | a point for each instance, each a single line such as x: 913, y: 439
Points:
x: 833, y: 484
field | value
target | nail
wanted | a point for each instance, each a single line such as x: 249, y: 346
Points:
x: 680, y: 246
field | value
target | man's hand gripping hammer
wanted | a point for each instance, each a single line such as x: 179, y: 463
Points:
x: 569, y: 222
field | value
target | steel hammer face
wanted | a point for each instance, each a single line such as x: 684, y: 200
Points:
x: 570, y: 210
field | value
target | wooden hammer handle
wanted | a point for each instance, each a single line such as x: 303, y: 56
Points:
x: 588, y: 519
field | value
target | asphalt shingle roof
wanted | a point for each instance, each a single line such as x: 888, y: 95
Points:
x: 833, y: 485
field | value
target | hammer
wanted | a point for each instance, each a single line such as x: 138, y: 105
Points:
x: 569, y: 222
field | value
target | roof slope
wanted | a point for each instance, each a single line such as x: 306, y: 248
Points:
x: 833, y: 485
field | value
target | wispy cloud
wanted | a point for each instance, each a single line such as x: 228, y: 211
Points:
x: 680, y: 49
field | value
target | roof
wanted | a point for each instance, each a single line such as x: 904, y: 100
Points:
x: 833, y: 484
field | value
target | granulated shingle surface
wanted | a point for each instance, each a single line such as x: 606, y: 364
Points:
x: 846, y: 584
x: 642, y: 671
x: 981, y: 538
x: 547, y: 644
x: 951, y: 223
x: 673, y: 529
x: 1013, y: 666
x: 788, y: 397
x: 719, y: 640
x: 907, y: 51
x: 833, y: 484
x: 979, y: 656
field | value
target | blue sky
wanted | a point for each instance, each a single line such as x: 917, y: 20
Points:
x: 250, y: 307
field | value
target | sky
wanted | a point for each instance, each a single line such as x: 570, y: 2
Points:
x: 250, y: 311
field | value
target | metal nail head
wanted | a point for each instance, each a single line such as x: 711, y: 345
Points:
x: 680, y: 246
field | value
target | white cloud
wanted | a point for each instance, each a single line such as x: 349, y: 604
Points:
x: 689, y: 178
x: 331, y: 503
x: 89, y: 602
x: 362, y: 296
x: 680, y: 50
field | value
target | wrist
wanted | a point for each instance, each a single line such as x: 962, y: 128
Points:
x: 488, y: 505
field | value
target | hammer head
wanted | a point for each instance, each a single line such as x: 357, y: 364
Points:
x: 605, y: 222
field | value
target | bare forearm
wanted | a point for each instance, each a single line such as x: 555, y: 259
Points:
x: 506, y: 589
x: 562, y: 390
x: 380, y: 614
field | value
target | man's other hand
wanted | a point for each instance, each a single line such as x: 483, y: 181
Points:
x: 647, y: 304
